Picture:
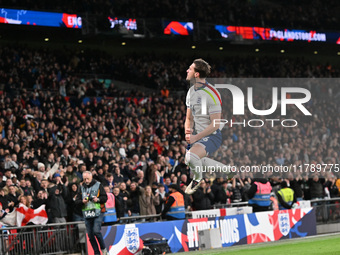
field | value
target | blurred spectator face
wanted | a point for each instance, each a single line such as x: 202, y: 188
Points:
x: 39, y: 176
x: 23, y: 200
x: 41, y: 168
x: 105, y: 168
x: 140, y: 174
x: 109, y: 178
x: 116, y: 191
x: 8, y: 174
x: 35, y: 162
x: 22, y: 183
x: 167, y: 181
x: 74, y: 187
x: 148, y: 190
x: 203, y: 184
x: 100, y: 171
x: 44, y: 184
x: 161, y: 189
x: 107, y: 189
x: 8, y: 157
x: 133, y: 186
x: 122, y: 186
x: 66, y: 153
x: 29, y: 199
x: 87, y: 178
x: 12, y: 190
x: 184, y: 178
x: 28, y: 183
x: 135, y: 158
x: 17, y: 148
x: 69, y: 169
x: 51, y: 157
x: 83, y: 168
x: 15, y: 180
x: 40, y: 194
x: 9, y: 182
x: 14, y: 157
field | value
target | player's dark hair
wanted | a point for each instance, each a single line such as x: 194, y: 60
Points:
x: 202, y: 67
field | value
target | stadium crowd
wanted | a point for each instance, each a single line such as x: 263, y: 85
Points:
x: 54, y: 126
x: 314, y: 14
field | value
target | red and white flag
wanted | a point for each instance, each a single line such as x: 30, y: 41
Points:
x: 26, y: 215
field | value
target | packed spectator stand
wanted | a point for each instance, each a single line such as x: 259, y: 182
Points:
x: 55, y: 125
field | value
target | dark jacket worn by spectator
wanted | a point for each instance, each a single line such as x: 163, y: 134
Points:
x: 217, y: 190
x: 73, y: 210
x: 133, y: 202
x: 296, y: 186
x: 57, y: 209
x: 203, y: 198
x: 316, y: 187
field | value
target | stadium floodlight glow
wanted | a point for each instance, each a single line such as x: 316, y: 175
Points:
x: 123, y: 43
x: 193, y: 47
x: 282, y: 51
x: 315, y: 52
x: 220, y: 48
x: 80, y: 41
x: 257, y: 50
x: 338, y: 53
x: 47, y: 39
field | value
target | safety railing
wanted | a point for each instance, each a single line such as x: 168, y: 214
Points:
x: 61, y: 238
x: 327, y: 211
x: 141, y: 218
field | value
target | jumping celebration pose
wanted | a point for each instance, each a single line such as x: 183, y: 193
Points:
x: 204, y: 105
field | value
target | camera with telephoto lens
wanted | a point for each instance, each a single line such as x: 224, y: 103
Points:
x: 88, y: 198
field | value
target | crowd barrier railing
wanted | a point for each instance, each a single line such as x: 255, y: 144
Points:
x: 327, y: 211
x: 58, y: 238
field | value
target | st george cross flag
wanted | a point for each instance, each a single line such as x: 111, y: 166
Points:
x: 26, y: 215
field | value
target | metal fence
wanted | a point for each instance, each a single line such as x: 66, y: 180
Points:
x: 327, y: 211
x: 41, y: 239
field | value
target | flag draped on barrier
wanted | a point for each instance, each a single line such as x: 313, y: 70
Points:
x: 23, y: 215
